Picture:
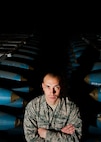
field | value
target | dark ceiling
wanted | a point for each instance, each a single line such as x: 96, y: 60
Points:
x: 50, y: 19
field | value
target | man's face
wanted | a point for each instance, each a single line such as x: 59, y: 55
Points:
x: 51, y: 89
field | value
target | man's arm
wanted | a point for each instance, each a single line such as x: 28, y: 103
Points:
x: 69, y: 129
x: 30, y: 125
x: 69, y: 133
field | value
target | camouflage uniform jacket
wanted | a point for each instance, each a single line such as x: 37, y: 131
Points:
x: 39, y: 114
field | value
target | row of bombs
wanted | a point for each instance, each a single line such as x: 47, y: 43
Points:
x: 18, y: 54
x: 92, y: 77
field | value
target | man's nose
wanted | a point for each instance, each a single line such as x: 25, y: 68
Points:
x: 53, y: 90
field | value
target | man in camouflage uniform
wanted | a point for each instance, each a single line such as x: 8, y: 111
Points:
x: 51, y: 117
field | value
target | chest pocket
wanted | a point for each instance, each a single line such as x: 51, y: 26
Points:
x: 42, y: 122
x: 60, y: 122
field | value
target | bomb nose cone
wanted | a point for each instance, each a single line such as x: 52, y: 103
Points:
x: 23, y: 79
x: 31, y: 89
x: 31, y: 68
x: 18, y: 122
x: 14, y: 97
x: 86, y: 79
x: 25, y: 103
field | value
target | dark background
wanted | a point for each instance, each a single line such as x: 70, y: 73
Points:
x: 56, y: 23
x: 59, y: 20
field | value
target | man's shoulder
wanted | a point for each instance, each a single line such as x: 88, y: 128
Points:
x: 68, y: 101
x: 36, y: 100
x: 33, y: 103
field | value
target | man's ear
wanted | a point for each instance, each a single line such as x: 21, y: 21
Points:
x: 42, y: 85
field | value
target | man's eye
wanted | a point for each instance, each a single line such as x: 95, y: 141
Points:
x: 57, y: 87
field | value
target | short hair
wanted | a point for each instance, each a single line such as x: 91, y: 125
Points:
x: 53, y: 72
